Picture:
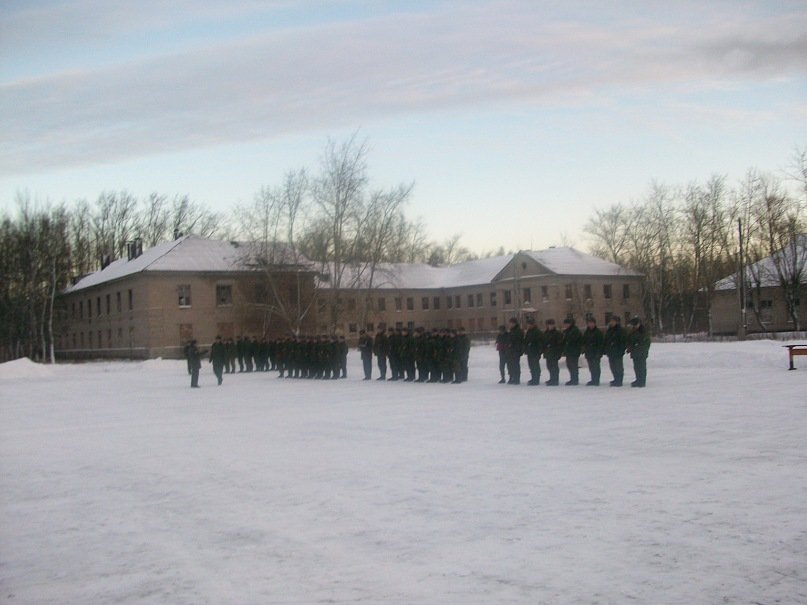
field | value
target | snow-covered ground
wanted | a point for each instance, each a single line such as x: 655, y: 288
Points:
x: 119, y: 484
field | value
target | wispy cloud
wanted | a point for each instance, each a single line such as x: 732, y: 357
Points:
x: 349, y: 72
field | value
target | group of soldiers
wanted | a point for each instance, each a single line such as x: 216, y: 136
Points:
x: 418, y: 355
x: 322, y: 357
x: 571, y: 343
x: 439, y: 355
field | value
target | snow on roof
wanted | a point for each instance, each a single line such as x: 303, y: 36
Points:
x: 417, y: 276
x: 568, y: 261
x: 765, y: 271
x: 189, y: 253
x: 559, y: 261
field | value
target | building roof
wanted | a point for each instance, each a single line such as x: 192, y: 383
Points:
x: 189, y: 253
x: 568, y: 261
x: 419, y: 276
x: 765, y: 271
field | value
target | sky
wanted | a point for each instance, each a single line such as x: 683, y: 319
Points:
x: 513, y: 118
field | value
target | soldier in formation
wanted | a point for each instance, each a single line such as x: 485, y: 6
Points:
x: 571, y: 343
x: 218, y: 357
x: 638, y: 345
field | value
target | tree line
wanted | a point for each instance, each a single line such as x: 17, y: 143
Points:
x: 683, y: 239
x: 686, y: 238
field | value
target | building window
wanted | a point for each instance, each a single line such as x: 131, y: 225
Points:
x: 470, y: 300
x: 608, y: 316
x: 449, y: 302
x: 117, y: 302
x: 120, y: 335
x: 606, y: 291
x: 131, y: 299
x: 479, y: 299
x: 458, y: 301
x: 587, y: 291
x: 508, y: 298
x: 109, y: 339
x: 98, y: 311
x: 569, y: 291
x: 81, y: 309
x: 82, y: 339
x: 382, y: 304
x: 436, y: 302
x: 492, y: 299
x: 472, y: 324
x: 545, y: 293
x: 399, y: 325
x: 626, y: 291
x: 183, y: 295
x: 424, y: 303
x: 450, y: 323
x: 527, y: 292
x: 410, y: 325
x: 351, y: 304
x: 352, y: 328
x: 89, y: 308
x: 410, y: 303
x: 398, y: 303
x: 224, y: 296
x: 492, y: 323
x: 766, y: 310
x: 108, y: 303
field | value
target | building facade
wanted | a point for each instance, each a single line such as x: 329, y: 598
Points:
x: 152, y: 304
x: 481, y: 295
x: 765, y: 300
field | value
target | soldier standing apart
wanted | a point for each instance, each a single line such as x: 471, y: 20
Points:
x: 639, y: 348
x: 593, y: 340
x: 614, y: 348
x: 572, y: 348
x: 501, y: 347
x: 195, y: 361
x: 515, y: 348
x: 533, y: 346
x: 553, y: 350
x: 366, y: 352
x: 218, y: 357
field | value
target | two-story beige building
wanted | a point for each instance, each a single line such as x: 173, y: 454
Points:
x: 480, y: 295
x: 151, y: 304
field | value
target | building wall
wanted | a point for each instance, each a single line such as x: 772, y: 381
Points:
x: 773, y: 315
x: 162, y: 319
x: 543, y: 297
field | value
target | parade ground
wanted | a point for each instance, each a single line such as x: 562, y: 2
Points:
x: 120, y: 484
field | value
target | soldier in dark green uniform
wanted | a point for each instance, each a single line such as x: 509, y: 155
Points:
x: 380, y: 350
x: 240, y: 346
x: 515, y: 349
x: 572, y: 349
x: 421, y: 355
x: 195, y: 361
x: 218, y: 357
x: 593, y: 340
x: 553, y: 350
x: 639, y: 348
x: 438, y: 352
x: 394, y: 353
x: 533, y: 347
x: 366, y: 353
x: 341, y: 353
x: 501, y: 348
x: 463, y: 344
x: 614, y: 348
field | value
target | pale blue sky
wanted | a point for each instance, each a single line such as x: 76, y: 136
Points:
x: 513, y: 118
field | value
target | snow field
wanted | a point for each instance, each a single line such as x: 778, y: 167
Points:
x: 118, y: 483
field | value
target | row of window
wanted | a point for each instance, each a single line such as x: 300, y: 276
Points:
x: 224, y: 295
x: 77, y: 308
x: 95, y: 340
x: 477, y: 300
